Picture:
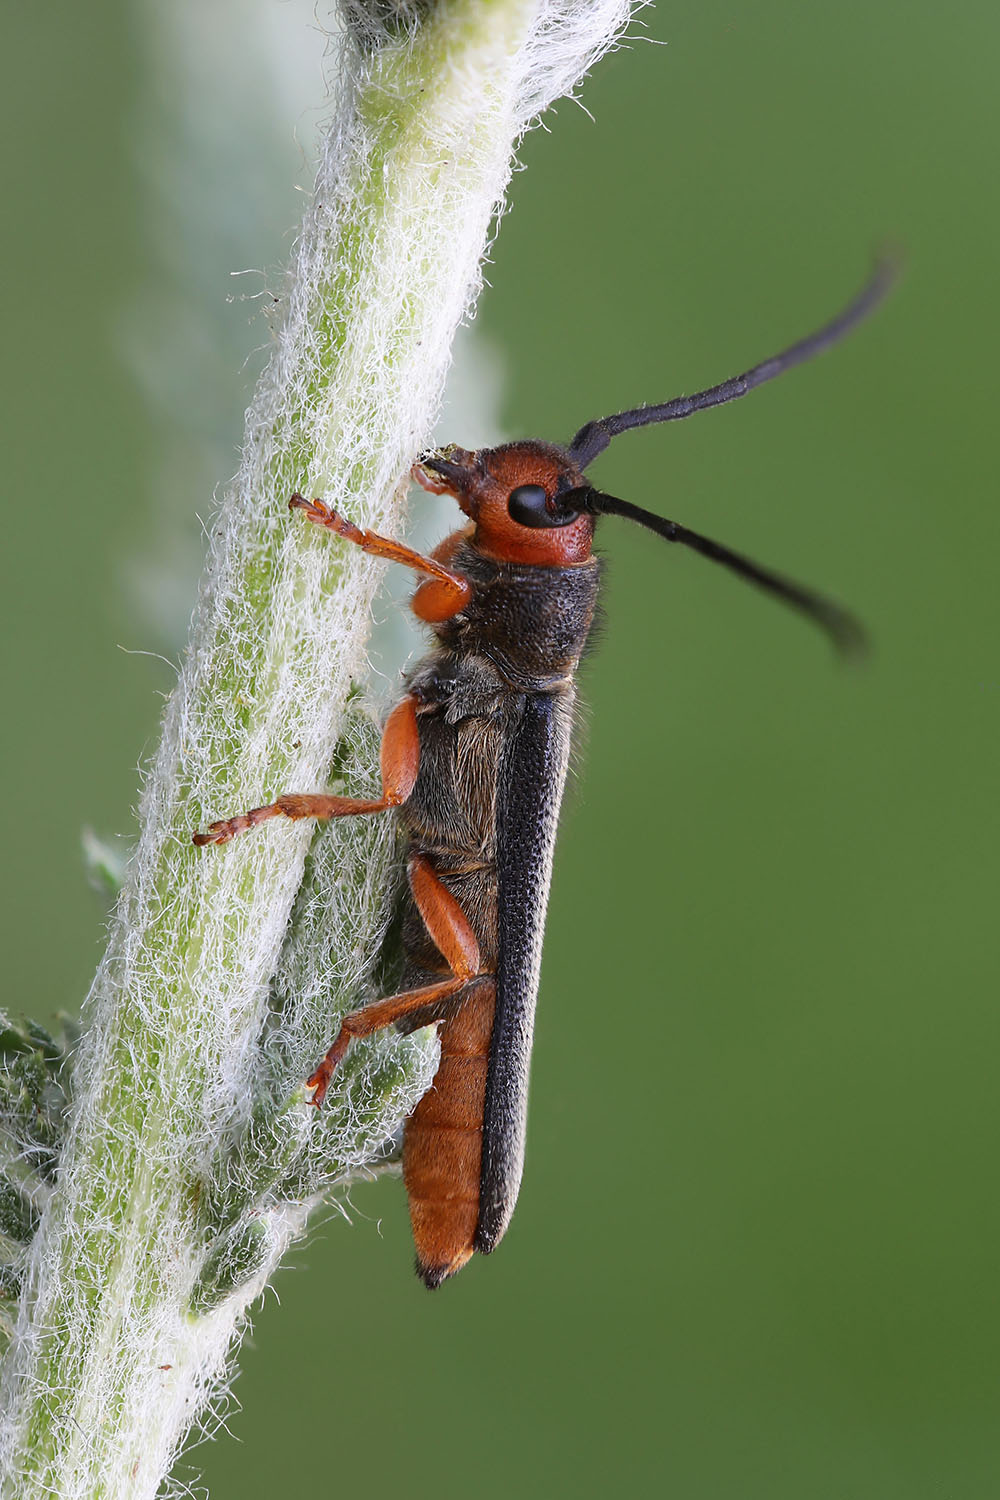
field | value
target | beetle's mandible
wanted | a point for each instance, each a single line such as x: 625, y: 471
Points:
x: 474, y: 760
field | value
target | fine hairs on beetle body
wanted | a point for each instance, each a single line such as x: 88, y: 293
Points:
x: 474, y: 761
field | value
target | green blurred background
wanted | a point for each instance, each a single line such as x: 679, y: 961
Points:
x: 755, y: 1255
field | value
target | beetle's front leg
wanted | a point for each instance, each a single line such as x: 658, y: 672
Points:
x: 444, y: 594
x: 400, y: 758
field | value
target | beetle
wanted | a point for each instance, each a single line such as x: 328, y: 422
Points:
x: 474, y: 760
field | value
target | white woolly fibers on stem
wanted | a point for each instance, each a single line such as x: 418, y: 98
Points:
x: 191, y: 1159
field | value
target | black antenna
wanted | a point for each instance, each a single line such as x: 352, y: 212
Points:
x: 846, y: 633
x: 593, y: 438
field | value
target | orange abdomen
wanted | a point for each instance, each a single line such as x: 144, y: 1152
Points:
x: 443, y: 1143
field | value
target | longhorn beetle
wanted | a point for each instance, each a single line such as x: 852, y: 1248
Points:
x: 474, y: 760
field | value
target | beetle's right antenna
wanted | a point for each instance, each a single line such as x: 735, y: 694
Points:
x: 846, y: 633
x: 593, y: 438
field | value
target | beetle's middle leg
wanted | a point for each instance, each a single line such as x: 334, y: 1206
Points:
x: 454, y: 939
x: 400, y: 760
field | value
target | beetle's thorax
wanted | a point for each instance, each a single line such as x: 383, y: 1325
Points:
x: 530, y: 622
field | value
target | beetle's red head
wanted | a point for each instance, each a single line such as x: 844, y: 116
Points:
x: 523, y: 498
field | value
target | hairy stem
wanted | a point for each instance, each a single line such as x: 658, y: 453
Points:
x: 190, y: 1163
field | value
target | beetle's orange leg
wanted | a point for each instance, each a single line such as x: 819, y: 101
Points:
x: 448, y: 592
x: 400, y: 759
x: 446, y: 922
x: 373, y: 1018
x: 453, y: 936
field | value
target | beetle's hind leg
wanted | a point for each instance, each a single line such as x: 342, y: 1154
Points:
x: 441, y: 999
x: 455, y: 940
x: 400, y: 758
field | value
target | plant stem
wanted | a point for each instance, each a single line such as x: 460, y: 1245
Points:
x: 114, y: 1356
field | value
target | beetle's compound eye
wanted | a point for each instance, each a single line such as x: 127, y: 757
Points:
x: 529, y: 505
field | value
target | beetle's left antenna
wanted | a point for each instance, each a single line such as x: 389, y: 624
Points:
x: 593, y: 438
